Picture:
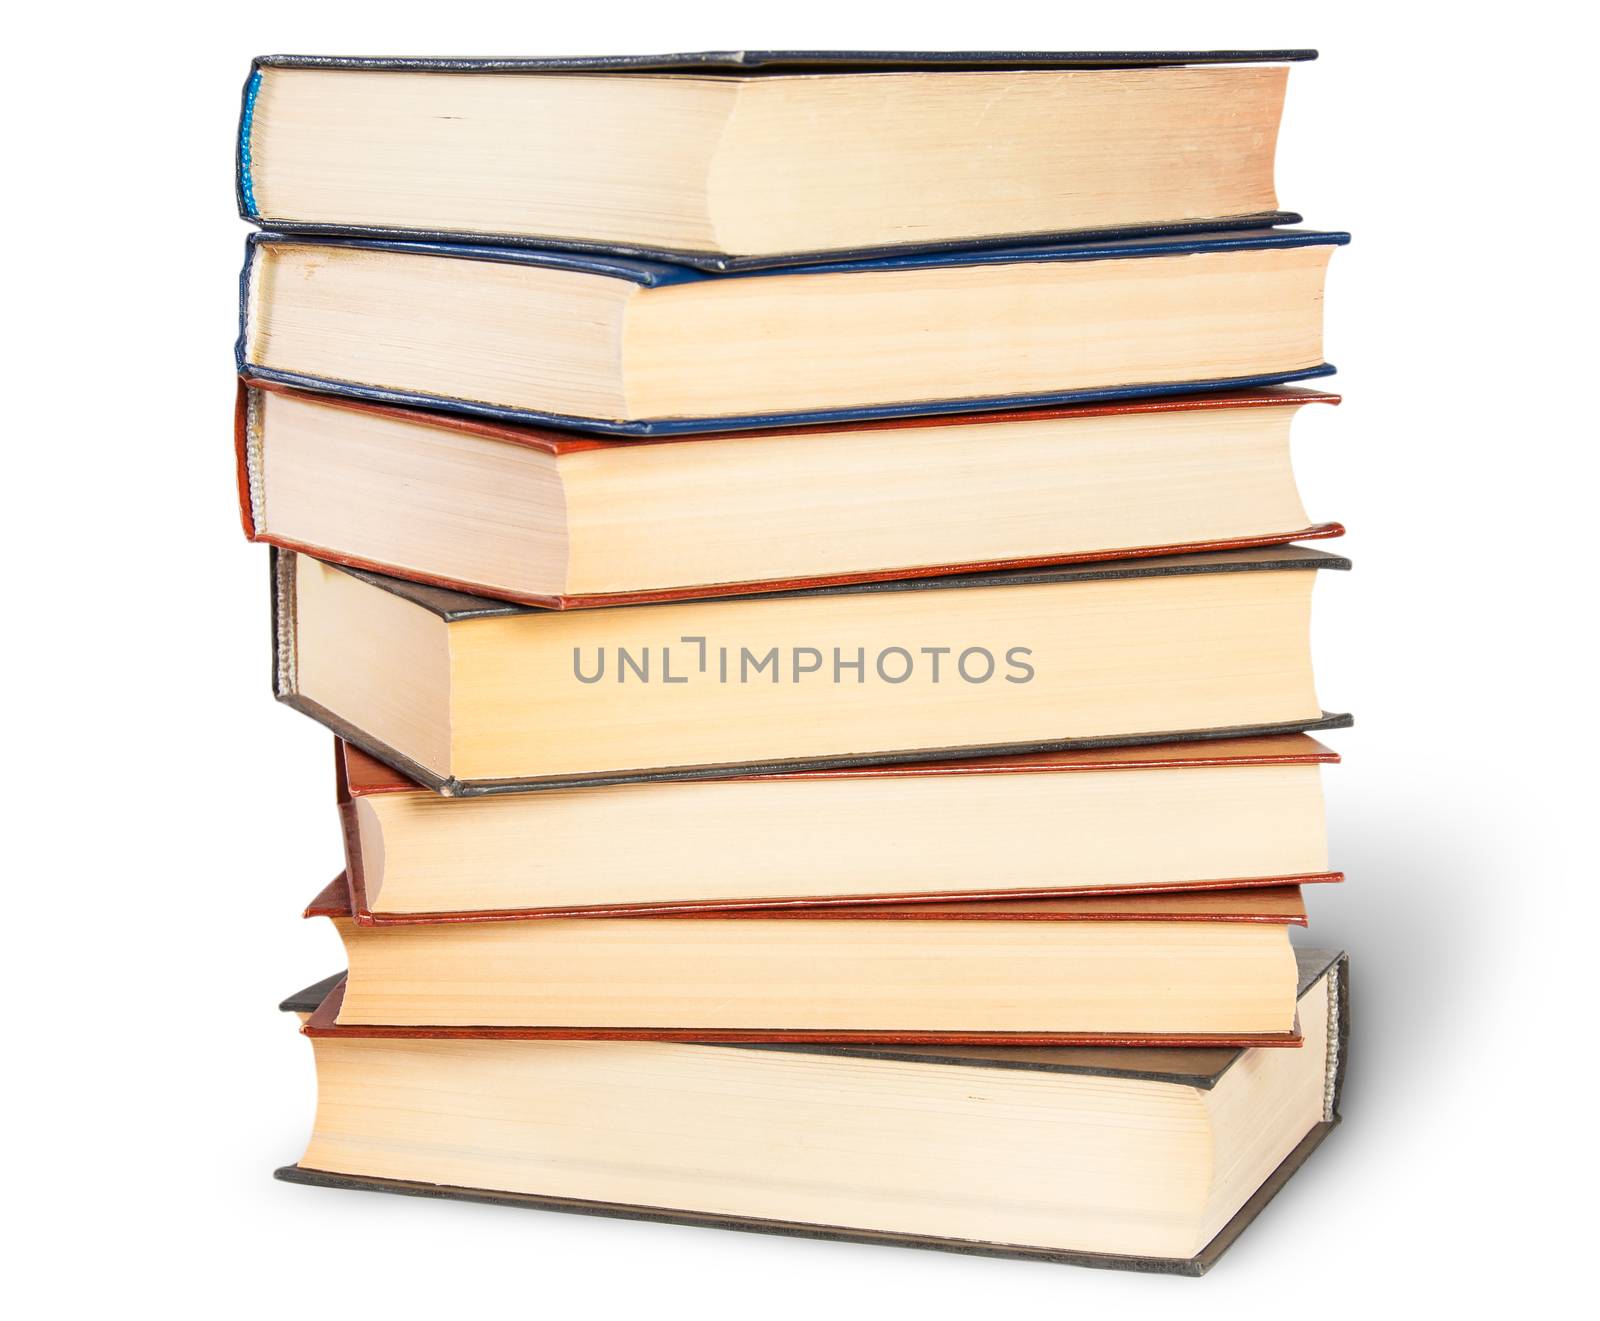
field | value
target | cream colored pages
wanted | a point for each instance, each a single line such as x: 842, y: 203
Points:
x: 1145, y: 977
x: 655, y: 843
x: 1105, y: 658
x: 1010, y: 1156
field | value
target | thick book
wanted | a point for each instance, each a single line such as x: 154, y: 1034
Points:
x: 471, y: 695
x: 1135, y: 1159
x: 739, y: 159
x: 1206, y: 968
x: 554, y: 519
x: 1226, y: 814
x: 638, y: 347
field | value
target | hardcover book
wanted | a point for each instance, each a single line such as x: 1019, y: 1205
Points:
x: 1225, y: 814
x: 1136, y: 1159
x: 639, y: 347
x: 739, y: 159
x: 795, y: 551
x: 555, y: 519
x: 1209, y: 968
x: 471, y: 695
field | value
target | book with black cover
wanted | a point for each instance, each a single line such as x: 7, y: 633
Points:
x: 1204, y: 140
x: 434, y: 609
x: 1198, y: 1070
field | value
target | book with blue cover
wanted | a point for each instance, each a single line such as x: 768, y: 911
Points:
x: 748, y: 158
x: 634, y: 347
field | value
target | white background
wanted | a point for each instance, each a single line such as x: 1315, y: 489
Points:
x: 168, y: 820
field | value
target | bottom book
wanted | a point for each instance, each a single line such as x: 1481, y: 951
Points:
x: 1136, y: 1159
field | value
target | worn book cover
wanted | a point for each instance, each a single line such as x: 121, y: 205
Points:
x: 1199, y: 1070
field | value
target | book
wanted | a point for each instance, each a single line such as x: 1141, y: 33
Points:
x: 555, y: 519
x: 628, y: 346
x: 1214, y: 815
x: 735, y: 159
x: 797, y: 552
x: 1137, y: 1159
x: 471, y: 695
x: 1208, y: 968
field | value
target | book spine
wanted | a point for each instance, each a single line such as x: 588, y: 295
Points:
x: 243, y: 184
x: 281, y: 570
x: 1338, y: 1037
x: 247, y: 458
x: 246, y: 274
x: 350, y: 834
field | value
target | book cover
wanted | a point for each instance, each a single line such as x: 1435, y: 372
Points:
x: 1281, y: 907
x: 1196, y: 1068
x: 651, y: 274
x: 248, y: 467
x: 451, y: 606
x: 358, y: 775
x: 743, y: 64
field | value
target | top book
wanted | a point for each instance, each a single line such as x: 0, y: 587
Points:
x: 743, y: 159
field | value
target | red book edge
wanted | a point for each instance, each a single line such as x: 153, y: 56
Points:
x: 325, y: 1023
x: 1272, y: 899
x: 561, y: 443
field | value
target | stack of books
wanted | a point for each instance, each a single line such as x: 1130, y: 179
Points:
x: 798, y: 553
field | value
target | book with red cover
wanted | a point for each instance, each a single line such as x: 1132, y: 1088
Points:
x: 477, y: 977
x: 557, y: 845
x: 373, y: 519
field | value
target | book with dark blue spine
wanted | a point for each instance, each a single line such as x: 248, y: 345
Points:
x: 634, y: 347
x: 740, y: 159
